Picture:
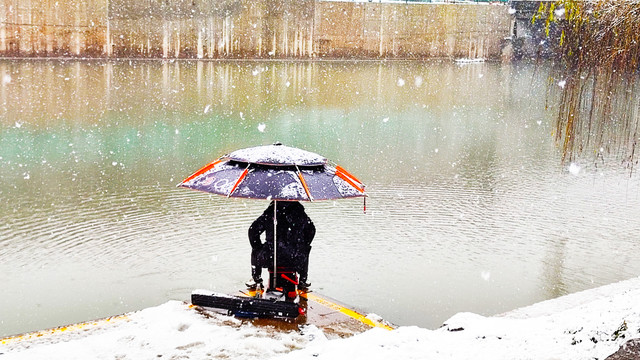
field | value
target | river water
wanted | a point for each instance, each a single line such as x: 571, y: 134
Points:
x: 470, y: 208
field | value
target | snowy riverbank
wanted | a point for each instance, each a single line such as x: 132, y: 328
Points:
x: 586, y: 325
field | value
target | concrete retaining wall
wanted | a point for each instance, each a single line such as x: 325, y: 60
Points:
x: 411, y: 30
x: 250, y: 29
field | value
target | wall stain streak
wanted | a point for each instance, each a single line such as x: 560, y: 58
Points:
x: 204, y: 29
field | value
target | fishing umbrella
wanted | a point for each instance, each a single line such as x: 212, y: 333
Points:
x: 278, y: 173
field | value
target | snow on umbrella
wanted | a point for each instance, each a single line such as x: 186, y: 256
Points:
x: 275, y: 172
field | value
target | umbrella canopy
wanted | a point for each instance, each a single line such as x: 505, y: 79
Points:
x: 275, y: 172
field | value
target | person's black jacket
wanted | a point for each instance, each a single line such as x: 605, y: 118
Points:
x: 295, y: 234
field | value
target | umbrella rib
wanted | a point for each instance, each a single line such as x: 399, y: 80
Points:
x: 304, y: 184
x: 203, y: 170
x: 342, y: 170
x: 344, y: 175
x: 242, y: 176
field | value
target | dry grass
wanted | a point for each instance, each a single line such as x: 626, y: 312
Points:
x: 599, y: 51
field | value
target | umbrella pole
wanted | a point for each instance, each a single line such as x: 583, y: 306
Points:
x: 275, y: 244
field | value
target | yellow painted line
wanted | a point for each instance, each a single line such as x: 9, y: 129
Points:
x: 59, y: 330
x: 333, y: 306
x: 350, y: 313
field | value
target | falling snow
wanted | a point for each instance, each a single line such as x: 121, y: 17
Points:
x: 485, y: 275
x: 463, y: 193
x: 574, y: 168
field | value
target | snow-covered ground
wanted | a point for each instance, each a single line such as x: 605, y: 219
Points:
x: 587, y: 325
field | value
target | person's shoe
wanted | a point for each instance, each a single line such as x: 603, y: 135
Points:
x: 303, y: 285
x: 254, y: 283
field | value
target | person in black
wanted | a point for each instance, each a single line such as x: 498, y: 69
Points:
x: 295, y: 232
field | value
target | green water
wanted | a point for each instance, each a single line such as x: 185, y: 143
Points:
x: 470, y: 208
